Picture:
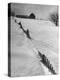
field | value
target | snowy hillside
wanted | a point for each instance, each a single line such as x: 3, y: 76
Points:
x: 25, y: 59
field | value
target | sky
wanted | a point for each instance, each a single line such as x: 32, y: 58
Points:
x: 40, y: 11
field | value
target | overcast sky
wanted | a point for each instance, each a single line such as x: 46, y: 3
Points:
x: 40, y: 11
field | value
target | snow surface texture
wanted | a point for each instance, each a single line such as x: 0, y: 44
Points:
x: 25, y: 60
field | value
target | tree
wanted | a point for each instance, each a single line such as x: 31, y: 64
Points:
x: 32, y: 16
x: 54, y: 18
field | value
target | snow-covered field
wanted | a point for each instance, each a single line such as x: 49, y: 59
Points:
x: 24, y: 57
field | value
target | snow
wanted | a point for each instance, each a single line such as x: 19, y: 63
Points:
x: 24, y: 51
